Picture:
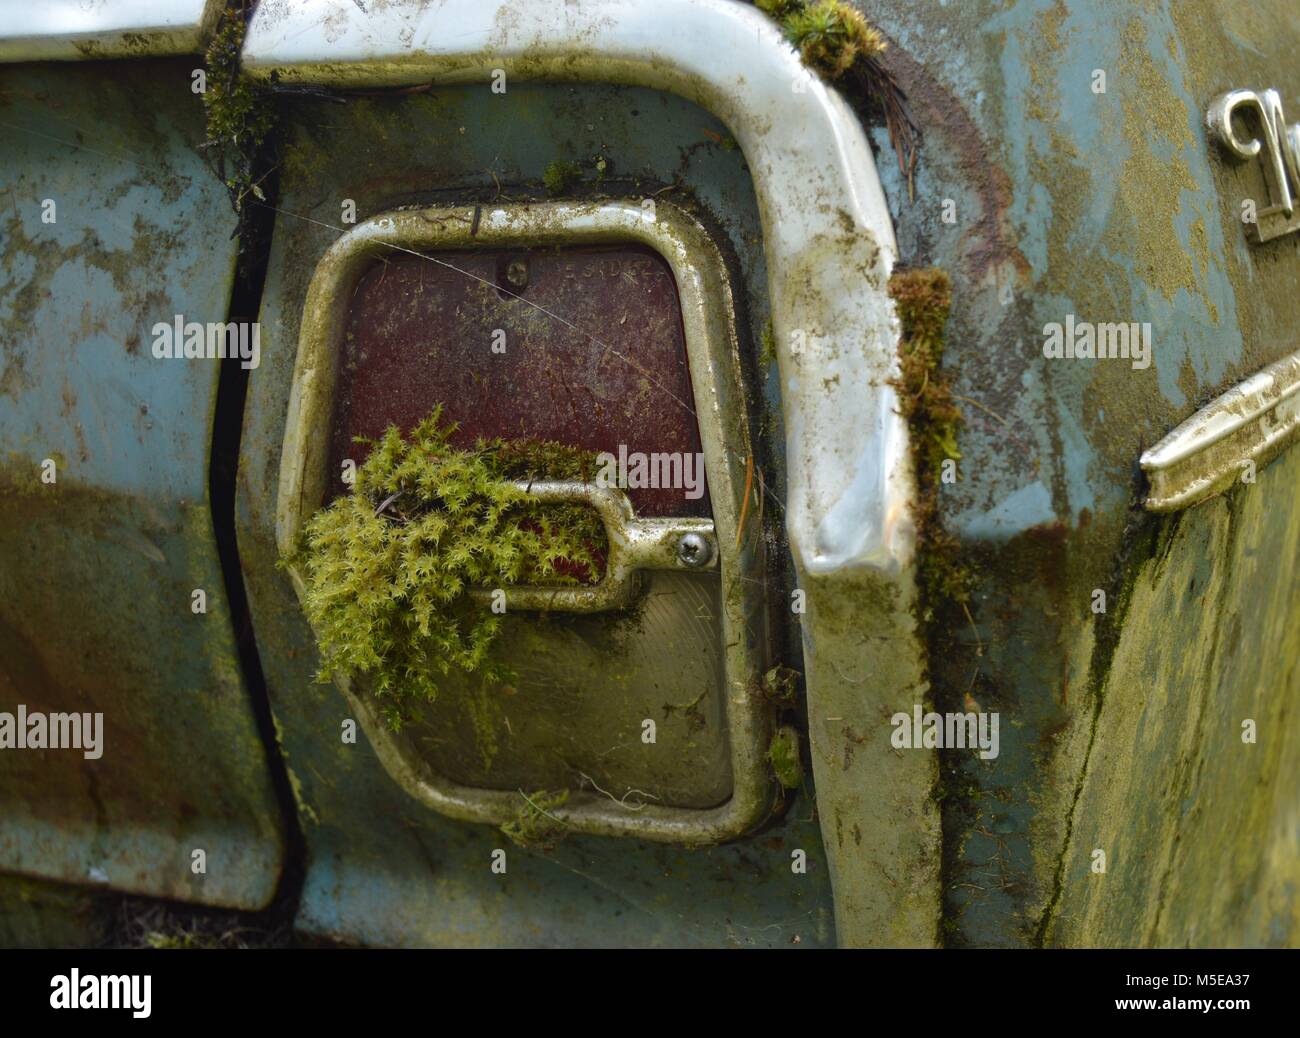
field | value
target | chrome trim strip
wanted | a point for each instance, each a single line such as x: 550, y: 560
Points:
x: 72, y: 30
x: 1252, y: 422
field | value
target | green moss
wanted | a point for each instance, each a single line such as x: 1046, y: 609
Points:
x: 238, y: 118
x: 20, y: 476
x: 534, y: 825
x: 559, y: 176
x: 388, y: 567
x: 831, y: 35
x: 767, y: 346
x: 923, y: 299
x: 783, y: 754
x: 835, y: 39
x: 779, y: 8
x: 780, y: 685
x: 484, y: 712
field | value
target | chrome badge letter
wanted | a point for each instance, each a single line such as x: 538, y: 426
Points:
x: 1277, y: 148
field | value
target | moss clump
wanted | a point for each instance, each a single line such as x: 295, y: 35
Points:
x: 923, y: 298
x: 780, y: 685
x: 533, y: 824
x: 387, y: 568
x: 238, y: 118
x: 835, y: 39
x: 779, y: 9
x: 831, y: 36
x: 783, y: 754
x: 559, y: 176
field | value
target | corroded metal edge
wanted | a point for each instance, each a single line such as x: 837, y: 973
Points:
x: 708, y: 319
x: 71, y: 30
x: 1249, y: 424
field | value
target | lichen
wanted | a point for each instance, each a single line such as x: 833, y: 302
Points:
x: 783, y: 755
x: 388, y: 568
x: 923, y: 298
x: 238, y: 117
x: 533, y: 824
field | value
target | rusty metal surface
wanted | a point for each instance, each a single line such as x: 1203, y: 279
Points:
x: 97, y: 569
x: 1109, y: 206
x: 420, y: 332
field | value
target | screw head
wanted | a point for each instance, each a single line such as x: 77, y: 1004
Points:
x: 694, y: 550
x: 517, y: 273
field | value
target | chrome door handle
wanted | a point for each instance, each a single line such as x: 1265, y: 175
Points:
x: 685, y: 544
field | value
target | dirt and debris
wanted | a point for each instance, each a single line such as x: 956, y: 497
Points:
x: 145, y: 923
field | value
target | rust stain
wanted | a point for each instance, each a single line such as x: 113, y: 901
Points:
x: 989, y: 239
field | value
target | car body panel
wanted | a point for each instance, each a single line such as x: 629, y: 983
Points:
x: 98, y: 569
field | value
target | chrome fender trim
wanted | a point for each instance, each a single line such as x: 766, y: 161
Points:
x: 1236, y: 433
x: 64, y: 30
